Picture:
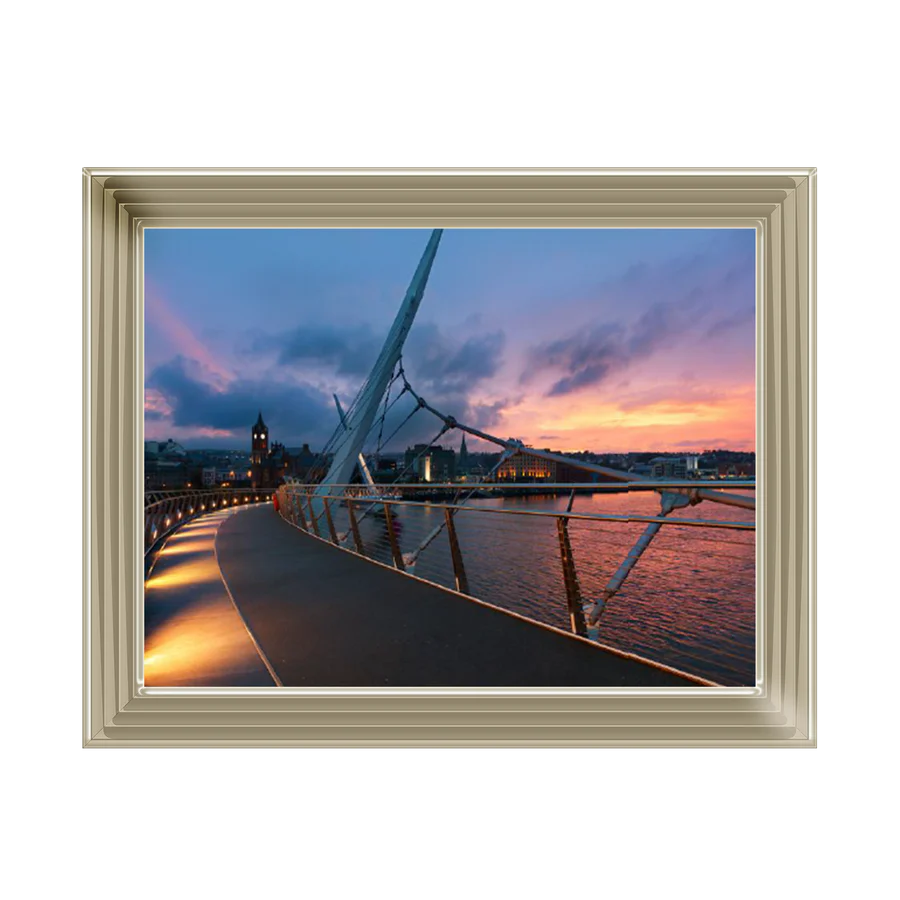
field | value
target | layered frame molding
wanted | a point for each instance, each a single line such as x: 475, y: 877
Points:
x: 119, y: 204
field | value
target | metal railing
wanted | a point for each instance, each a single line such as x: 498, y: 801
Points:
x: 164, y: 511
x: 560, y: 566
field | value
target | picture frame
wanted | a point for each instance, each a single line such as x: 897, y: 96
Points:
x: 119, y: 711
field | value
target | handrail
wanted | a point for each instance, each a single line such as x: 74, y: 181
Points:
x: 169, y: 512
x: 740, y: 484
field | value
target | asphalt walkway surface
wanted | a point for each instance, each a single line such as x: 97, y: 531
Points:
x: 324, y: 617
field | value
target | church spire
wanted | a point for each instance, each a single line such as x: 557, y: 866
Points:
x: 463, y: 455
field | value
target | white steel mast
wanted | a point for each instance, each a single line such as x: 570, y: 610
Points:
x: 360, y: 417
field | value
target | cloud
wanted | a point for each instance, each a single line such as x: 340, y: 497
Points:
x: 595, y: 351
x: 439, y: 360
x: 590, y: 354
x: 294, y: 411
x: 489, y: 415
x: 735, y: 320
x: 644, y: 311
x: 156, y: 407
x: 446, y: 369
x: 348, y: 350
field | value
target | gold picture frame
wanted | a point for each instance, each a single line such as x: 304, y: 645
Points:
x: 120, y: 712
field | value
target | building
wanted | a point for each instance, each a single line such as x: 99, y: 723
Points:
x: 271, y: 464
x: 259, y: 446
x: 524, y: 466
x: 166, y: 466
x: 429, y: 464
x: 674, y: 467
x: 302, y: 460
x: 268, y: 465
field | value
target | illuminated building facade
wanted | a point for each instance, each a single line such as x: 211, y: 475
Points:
x: 526, y: 467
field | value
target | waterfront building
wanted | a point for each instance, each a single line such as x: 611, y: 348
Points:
x: 429, y: 464
x: 524, y: 466
x: 673, y: 467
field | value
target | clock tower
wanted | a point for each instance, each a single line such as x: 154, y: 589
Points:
x: 259, y: 446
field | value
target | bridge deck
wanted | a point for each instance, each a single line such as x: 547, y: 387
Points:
x: 324, y: 617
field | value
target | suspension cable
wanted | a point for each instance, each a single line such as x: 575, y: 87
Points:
x: 387, y: 397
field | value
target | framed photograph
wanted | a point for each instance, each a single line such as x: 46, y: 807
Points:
x: 449, y: 458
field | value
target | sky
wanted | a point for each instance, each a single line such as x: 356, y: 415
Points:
x: 610, y: 340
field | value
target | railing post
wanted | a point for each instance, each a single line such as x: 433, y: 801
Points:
x: 459, y: 570
x: 312, y: 516
x: 354, y: 527
x: 392, y: 537
x: 297, y: 505
x: 334, y: 538
x: 570, y: 577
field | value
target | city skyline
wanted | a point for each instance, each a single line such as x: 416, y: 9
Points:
x: 605, y: 340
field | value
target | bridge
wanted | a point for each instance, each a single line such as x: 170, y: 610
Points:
x: 250, y: 588
x: 339, y: 581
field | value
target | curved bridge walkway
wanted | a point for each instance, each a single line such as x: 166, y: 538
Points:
x: 244, y: 598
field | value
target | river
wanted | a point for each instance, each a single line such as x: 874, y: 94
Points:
x: 689, y: 602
